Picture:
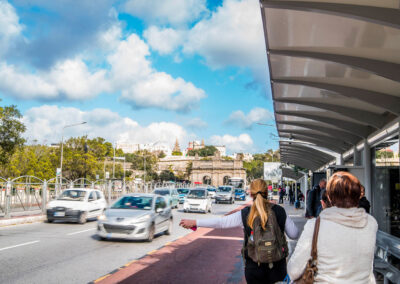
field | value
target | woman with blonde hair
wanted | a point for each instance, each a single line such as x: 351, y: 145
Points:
x: 264, y: 225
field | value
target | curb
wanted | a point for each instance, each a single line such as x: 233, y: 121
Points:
x: 149, y: 254
x: 22, y: 220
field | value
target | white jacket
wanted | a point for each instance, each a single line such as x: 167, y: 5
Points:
x: 346, y: 245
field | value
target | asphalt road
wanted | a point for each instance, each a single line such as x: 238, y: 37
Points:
x: 72, y: 253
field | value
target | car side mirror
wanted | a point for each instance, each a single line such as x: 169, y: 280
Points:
x: 159, y: 210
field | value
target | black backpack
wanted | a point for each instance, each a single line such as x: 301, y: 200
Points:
x: 265, y: 246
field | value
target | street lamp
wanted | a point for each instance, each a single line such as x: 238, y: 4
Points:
x: 62, y: 146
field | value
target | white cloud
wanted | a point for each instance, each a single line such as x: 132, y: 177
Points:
x: 232, y: 36
x: 164, y: 41
x: 162, y: 91
x: 10, y: 27
x: 241, y: 143
x: 130, y: 74
x: 173, y: 12
x: 44, y: 124
x: 255, y: 115
x: 70, y: 79
x: 197, y: 123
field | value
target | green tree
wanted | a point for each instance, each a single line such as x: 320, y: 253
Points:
x: 11, y: 129
x: 167, y: 175
x: 176, y: 153
x: 206, y: 151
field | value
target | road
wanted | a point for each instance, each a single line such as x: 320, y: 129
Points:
x: 72, y: 253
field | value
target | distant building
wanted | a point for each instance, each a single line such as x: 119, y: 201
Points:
x: 176, y: 147
x: 247, y: 157
x: 221, y: 149
x: 153, y: 148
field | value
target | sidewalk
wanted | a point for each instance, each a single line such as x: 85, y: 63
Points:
x: 204, y: 256
x: 18, y: 218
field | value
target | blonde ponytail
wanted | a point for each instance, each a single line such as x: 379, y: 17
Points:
x: 258, y: 189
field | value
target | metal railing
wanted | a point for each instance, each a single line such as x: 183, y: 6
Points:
x: 387, y: 253
x: 29, y: 194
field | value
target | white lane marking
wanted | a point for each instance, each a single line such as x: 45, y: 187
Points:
x: 74, y: 233
x: 20, y: 245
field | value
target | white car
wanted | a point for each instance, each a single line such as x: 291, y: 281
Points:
x: 197, y: 200
x: 77, y: 205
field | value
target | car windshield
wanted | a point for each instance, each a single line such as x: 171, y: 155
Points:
x: 224, y: 189
x: 183, y: 190
x: 133, y: 202
x: 211, y: 189
x: 197, y: 194
x: 161, y: 191
x: 74, y: 195
x: 239, y: 191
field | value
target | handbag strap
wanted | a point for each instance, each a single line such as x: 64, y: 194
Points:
x: 314, y: 251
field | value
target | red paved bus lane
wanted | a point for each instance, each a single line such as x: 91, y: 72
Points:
x: 204, y: 256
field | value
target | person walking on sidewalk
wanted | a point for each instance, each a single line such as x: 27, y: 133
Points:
x: 264, y: 225
x: 345, y: 241
x: 314, y: 200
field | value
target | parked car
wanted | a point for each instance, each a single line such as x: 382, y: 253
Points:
x: 225, y: 194
x: 212, y: 191
x: 76, y: 205
x: 182, y: 194
x: 136, y: 216
x: 171, y: 194
x: 197, y: 200
x: 240, y: 194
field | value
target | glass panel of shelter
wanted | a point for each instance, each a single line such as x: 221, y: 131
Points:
x: 386, y: 185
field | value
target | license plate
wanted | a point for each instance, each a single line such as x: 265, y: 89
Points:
x: 59, y: 214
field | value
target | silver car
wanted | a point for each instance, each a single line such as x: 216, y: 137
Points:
x: 225, y: 194
x: 136, y: 216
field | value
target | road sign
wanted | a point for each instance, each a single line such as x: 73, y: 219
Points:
x: 97, y: 176
x: 58, y: 172
x: 107, y: 174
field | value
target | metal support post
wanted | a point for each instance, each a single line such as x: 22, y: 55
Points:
x: 109, y: 192
x: 356, y: 157
x: 367, y: 171
x: 8, y: 199
x: 339, y: 160
x: 44, y: 196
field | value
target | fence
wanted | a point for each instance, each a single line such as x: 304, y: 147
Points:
x: 29, y: 194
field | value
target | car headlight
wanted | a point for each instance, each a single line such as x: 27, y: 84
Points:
x: 102, y: 217
x: 142, y: 219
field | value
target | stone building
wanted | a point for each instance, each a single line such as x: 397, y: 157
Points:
x: 217, y: 170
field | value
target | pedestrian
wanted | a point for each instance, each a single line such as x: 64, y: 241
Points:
x: 291, y: 196
x: 281, y: 195
x: 325, y: 203
x: 314, y: 200
x: 261, y: 221
x: 364, y: 203
x: 345, y: 241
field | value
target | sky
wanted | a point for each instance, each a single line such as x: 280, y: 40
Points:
x: 138, y: 71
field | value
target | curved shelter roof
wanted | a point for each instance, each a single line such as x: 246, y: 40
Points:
x: 290, y: 173
x: 335, y: 72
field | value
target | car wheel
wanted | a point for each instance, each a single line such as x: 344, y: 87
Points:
x: 169, y: 230
x: 151, y: 233
x: 82, y: 218
x: 50, y: 220
x: 209, y: 209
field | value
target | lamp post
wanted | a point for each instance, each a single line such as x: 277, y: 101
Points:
x: 62, y: 146
x: 123, y: 181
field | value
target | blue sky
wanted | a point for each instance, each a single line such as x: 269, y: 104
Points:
x: 138, y: 71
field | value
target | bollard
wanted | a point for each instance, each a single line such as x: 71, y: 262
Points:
x: 44, y: 197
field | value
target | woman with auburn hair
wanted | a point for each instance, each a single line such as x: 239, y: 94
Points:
x: 345, y: 240
x: 264, y: 225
